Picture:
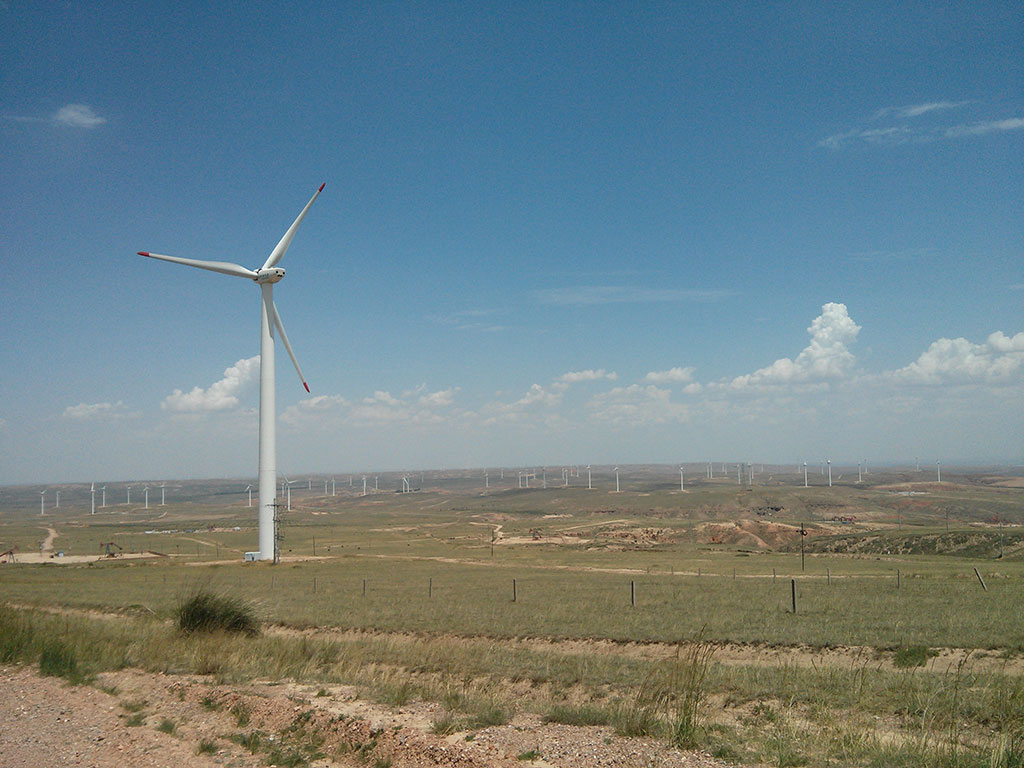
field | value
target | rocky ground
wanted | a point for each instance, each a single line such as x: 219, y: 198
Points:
x: 144, y: 720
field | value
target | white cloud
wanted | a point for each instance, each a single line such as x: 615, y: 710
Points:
x: 594, y: 295
x: 536, y: 399
x: 221, y: 395
x: 903, y: 133
x: 675, y: 375
x: 85, y: 411
x: 826, y: 357
x: 693, y: 389
x: 915, y: 110
x: 318, y: 408
x: 574, y: 377
x: 637, y: 405
x: 998, y: 360
x: 990, y: 126
x: 440, y: 399
x: 78, y: 116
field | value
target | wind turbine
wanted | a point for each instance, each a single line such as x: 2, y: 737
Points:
x: 129, y: 489
x: 42, y: 502
x: 830, y: 473
x: 681, y: 486
x: 248, y: 488
x: 92, y: 494
x: 938, y: 472
x: 103, y: 503
x: 270, y: 320
x: 805, y: 474
x: 57, y: 504
x: 616, y: 479
x: 590, y: 486
x: 146, y: 492
x: 163, y: 487
x: 334, y: 488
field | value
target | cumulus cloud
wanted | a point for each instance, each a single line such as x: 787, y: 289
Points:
x: 318, y: 408
x: 86, y: 411
x: 575, y: 377
x: 826, y: 357
x: 416, y: 406
x: 999, y: 359
x: 536, y: 399
x: 219, y: 396
x: 672, y: 375
x: 78, y: 116
x: 637, y: 405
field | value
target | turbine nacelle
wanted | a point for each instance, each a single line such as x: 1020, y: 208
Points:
x: 269, y: 275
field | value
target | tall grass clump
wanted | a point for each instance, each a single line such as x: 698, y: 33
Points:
x: 57, y: 659
x: 205, y: 611
x: 687, y: 684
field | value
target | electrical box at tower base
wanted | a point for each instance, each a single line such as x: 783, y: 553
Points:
x: 251, y: 556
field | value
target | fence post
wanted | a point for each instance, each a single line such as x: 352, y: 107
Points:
x: 773, y: 575
x: 430, y: 587
x: 792, y: 586
x: 514, y: 591
x: 314, y: 585
x: 364, y: 587
x: 899, y: 579
x: 828, y: 576
x: 632, y: 593
x: 978, y: 574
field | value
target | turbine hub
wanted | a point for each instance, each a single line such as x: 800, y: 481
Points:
x: 269, y: 275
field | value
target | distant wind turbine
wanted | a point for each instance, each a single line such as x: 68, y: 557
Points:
x: 270, y: 321
x: 42, y: 502
x: 590, y: 486
x: 103, y: 503
x: 145, y: 491
x: 805, y: 474
x: 129, y: 490
x: 681, y: 486
x: 248, y: 488
x: 57, y: 503
x: 163, y: 488
x: 92, y: 494
x: 830, y: 473
x: 938, y: 472
x: 616, y: 479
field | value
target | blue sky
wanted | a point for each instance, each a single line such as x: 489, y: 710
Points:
x: 551, y: 233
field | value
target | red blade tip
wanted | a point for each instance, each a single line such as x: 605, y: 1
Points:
x: 322, y: 187
x: 306, y: 386
x: 143, y: 253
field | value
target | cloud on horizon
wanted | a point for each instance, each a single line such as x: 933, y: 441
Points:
x: 88, y: 411
x: 219, y: 396
x: 826, y: 357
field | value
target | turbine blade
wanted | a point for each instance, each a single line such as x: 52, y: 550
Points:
x: 278, y: 252
x: 224, y: 267
x: 276, y: 318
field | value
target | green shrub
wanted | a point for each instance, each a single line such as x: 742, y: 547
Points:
x: 166, y: 726
x: 577, y: 715
x: 912, y: 656
x: 207, y: 747
x: 58, y: 660
x: 205, y: 611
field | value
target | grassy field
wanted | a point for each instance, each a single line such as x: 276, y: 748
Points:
x: 573, y: 600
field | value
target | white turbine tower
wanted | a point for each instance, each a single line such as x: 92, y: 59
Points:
x: 248, y: 488
x: 805, y: 474
x: 163, y: 497
x: 830, y: 473
x: 42, y: 502
x: 92, y: 494
x: 616, y: 479
x: 57, y: 503
x: 103, y: 503
x: 681, y: 486
x: 129, y: 489
x: 938, y: 472
x: 590, y: 485
x: 270, y: 321
x: 145, y: 491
